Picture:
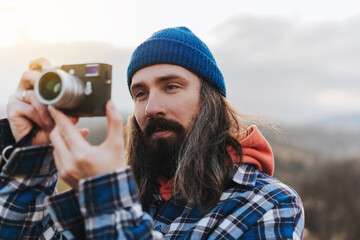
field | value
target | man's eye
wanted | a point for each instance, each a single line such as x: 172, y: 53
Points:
x: 172, y: 87
x: 140, y: 94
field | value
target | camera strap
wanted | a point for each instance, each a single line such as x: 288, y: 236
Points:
x: 25, y: 141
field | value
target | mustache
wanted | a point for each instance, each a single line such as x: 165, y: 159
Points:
x: 158, y: 124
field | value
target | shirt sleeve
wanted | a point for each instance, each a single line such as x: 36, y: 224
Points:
x: 27, y: 176
x: 284, y: 221
x: 110, y: 206
x: 6, y: 136
x: 64, y: 209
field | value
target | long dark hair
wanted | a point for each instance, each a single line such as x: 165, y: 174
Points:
x: 204, y: 167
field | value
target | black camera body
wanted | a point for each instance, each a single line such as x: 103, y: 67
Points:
x: 77, y: 89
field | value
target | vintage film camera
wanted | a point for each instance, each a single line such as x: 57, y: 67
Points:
x: 77, y: 90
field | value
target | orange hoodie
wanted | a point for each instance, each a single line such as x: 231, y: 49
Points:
x: 256, y: 152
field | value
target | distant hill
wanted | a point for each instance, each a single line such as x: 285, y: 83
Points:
x: 348, y: 122
x: 302, y: 151
x: 323, y: 141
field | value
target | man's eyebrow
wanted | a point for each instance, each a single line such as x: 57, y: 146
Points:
x: 136, y: 86
x: 169, y: 77
x: 158, y: 80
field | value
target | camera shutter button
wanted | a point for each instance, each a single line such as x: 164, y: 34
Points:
x: 88, y: 88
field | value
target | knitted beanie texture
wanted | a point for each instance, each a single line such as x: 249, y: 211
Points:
x: 178, y: 46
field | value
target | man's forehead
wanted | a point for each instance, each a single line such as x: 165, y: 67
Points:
x: 160, y: 73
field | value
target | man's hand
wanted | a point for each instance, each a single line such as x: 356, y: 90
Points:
x: 75, y: 158
x: 24, y: 110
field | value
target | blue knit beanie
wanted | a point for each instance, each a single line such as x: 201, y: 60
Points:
x: 178, y: 46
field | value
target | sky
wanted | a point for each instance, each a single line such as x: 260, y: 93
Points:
x: 294, y: 61
x: 127, y: 23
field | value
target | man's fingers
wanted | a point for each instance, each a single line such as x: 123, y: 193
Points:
x: 16, y: 109
x: 23, y: 95
x: 69, y: 133
x: 63, y: 160
x: 29, y: 77
x: 39, y: 63
x: 74, y: 120
x: 62, y: 170
x: 115, y: 124
x: 59, y: 145
x: 84, y: 132
x: 58, y: 160
x: 28, y: 96
x: 28, y: 80
x: 40, y: 108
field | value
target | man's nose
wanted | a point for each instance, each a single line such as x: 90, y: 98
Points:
x: 155, y: 106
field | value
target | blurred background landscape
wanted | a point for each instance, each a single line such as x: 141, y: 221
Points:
x: 295, y: 63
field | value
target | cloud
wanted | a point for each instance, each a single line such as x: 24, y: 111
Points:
x: 280, y: 67
x: 275, y: 66
x: 341, y: 99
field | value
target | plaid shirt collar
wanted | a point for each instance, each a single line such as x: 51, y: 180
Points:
x: 246, y: 175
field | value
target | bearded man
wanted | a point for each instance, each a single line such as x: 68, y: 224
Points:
x: 195, y: 170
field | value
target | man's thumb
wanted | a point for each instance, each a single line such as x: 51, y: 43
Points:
x: 115, y: 128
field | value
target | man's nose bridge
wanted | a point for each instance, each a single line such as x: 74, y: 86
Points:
x: 154, y: 104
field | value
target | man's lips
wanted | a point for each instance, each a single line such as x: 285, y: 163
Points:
x: 162, y: 128
x: 162, y: 133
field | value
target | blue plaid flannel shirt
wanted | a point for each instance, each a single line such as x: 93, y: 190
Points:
x: 255, y: 206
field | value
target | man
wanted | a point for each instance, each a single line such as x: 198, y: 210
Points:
x: 196, y: 172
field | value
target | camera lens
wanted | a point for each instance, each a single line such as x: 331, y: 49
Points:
x: 50, y: 86
x: 59, y: 88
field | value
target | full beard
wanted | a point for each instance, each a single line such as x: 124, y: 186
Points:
x: 159, y: 155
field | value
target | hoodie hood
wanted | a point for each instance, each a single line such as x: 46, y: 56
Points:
x: 256, y: 151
